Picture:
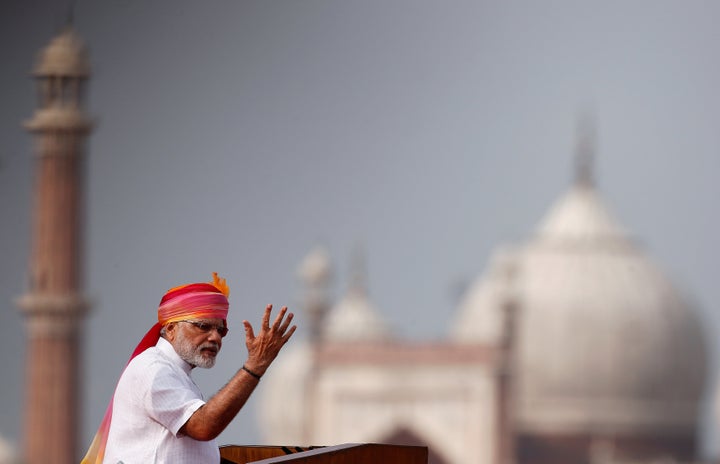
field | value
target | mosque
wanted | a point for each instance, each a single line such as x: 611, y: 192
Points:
x: 571, y: 348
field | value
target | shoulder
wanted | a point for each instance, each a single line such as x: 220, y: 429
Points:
x: 148, y: 358
x: 148, y: 374
x: 148, y: 365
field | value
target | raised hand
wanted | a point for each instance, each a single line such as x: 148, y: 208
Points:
x: 263, y: 348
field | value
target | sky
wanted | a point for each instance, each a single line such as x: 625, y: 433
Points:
x: 237, y: 136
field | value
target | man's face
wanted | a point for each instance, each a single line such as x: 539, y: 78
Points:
x: 195, y: 344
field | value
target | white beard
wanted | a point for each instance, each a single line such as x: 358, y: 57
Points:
x: 193, y: 354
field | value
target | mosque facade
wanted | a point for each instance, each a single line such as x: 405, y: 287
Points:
x: 570, y: 348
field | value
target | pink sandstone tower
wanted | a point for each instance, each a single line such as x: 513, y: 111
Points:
x: 54, y: 305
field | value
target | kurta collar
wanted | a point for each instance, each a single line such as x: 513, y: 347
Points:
x: 167, y: 349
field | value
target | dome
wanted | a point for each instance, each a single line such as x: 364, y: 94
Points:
x: 354, y: 318
x: 604, y: 341
x: 64, y: 56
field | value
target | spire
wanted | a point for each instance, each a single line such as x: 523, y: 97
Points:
x: 585, y: 151
x: 358, y: 272
x: 70, y: 21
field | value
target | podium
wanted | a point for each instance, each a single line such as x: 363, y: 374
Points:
x: 348, y: 453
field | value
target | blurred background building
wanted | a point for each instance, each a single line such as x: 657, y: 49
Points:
x: 572, y: 348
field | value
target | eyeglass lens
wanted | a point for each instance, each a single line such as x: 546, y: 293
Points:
x: 207, y: 327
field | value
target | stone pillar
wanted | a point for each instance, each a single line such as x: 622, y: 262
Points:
x: 509, y: 306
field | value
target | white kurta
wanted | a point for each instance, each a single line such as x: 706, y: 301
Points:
x: 153, y: 399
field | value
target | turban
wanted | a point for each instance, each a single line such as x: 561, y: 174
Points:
x: 191, y: 301
x: 195, y: 301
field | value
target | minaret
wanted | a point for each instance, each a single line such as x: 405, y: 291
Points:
x: 54, y: 305
x: 315, y: 273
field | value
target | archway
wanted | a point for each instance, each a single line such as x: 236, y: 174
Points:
x: 405, y: 436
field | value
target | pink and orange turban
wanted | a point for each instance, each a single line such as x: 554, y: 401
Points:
x: 191, y: 301
x: 195, y: 301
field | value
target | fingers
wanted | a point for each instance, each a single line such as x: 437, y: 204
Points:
x: 266, y: 317
x: 249, y: 332
x: 279, y: 317
x: 280, y: 324
x: 263, y: 348
x: 287, y: 336
x: 283, y: 327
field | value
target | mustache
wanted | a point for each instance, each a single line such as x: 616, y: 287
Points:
x: 213, y: 345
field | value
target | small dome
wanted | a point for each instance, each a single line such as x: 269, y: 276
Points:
x: 64, y: 56
x: 603, y: 338
x: 354, y: 318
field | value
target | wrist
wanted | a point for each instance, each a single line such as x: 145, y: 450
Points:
x: 251, y: 372
x: 256, y: 366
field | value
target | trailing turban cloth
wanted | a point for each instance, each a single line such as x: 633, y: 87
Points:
x: 191, y: 301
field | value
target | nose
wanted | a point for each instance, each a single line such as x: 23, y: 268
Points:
x: 214, y: 336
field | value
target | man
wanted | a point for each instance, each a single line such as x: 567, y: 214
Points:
x: 157, y: 414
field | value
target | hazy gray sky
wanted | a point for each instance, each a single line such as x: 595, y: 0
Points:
x: 235, y: 136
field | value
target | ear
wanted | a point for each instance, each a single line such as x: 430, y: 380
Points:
x: 171, y: 329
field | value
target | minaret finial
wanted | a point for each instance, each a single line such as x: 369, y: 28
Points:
x: 358, y: 271
x: 70, y: 13
x: 585, y: 150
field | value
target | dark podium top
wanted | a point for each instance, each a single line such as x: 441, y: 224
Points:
x: 349, y: 453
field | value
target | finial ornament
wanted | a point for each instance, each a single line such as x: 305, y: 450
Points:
x: 221, y: 284
x: 70, y: 14
x: 585, y: 150
x: 358, y: 271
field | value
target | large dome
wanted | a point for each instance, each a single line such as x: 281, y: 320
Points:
x: 604, y: 342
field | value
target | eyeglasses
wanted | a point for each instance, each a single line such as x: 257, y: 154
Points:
x: 206, y: 327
